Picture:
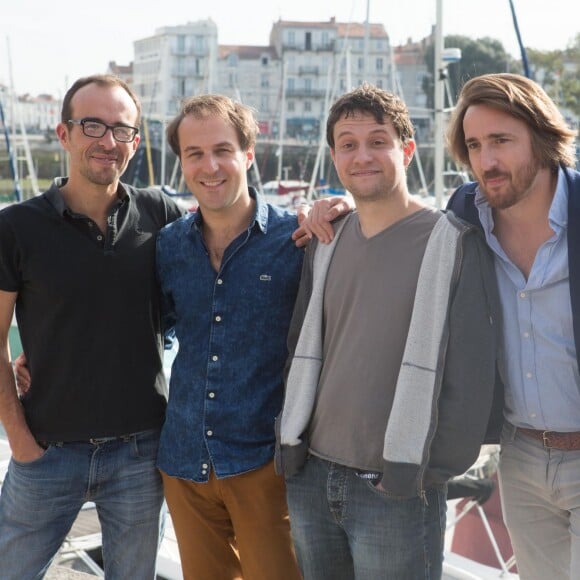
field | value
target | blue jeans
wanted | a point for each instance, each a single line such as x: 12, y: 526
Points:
x: 344, y: 528
x: 41, y: 499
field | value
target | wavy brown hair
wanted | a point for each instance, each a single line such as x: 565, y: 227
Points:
x: 238, y: 115
x: 523, y: 99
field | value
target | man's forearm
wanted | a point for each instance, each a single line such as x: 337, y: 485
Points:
x: 22, y: 442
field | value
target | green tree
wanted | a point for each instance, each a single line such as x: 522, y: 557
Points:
x: 558, y: 71
x: 481, y: 56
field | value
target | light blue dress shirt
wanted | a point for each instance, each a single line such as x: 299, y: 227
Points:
x: 541, y: 370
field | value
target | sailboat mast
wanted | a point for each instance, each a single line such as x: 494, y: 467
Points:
x: 439, y: 87
x: 282, y: 127
x: 520, y: 43
x: 11, y: 156
x: 366, y: 45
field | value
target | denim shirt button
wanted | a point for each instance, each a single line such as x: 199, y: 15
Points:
x: 204, y: 308
x: 204, y: 471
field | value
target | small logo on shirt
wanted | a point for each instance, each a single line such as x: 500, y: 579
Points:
x: 265, y: 278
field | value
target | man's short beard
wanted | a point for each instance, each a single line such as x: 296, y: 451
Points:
x: 519, y: 187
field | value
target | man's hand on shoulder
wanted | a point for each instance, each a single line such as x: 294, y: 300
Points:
x: 317, y: 220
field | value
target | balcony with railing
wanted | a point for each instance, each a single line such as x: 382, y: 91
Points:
x: 306, y: 92
x: 308, y: 70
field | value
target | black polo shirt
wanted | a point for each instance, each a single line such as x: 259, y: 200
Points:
x: 88, y: 312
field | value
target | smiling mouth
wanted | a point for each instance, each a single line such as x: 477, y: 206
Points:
x: 212, y: 182
x: 364, y: 173
x: 105, y: 158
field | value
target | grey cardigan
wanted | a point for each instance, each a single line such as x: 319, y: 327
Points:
x: 444, y: 392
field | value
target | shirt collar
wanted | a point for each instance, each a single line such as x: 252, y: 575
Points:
x: 557, y: 216
x: 56, y: 199
x: 260, y: 218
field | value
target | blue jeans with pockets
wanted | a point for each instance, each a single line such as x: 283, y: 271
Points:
x: 41, y: 499
x: 343, y: 527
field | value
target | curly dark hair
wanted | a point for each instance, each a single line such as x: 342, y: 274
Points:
x: 379, y: 103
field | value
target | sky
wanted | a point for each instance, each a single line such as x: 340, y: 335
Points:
x: 45, y: 46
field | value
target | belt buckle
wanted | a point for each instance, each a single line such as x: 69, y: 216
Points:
x: 545, y: 436
x: 99, y: 440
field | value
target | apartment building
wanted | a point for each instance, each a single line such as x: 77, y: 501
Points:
x: 175, y: 62
x: 290, y: 82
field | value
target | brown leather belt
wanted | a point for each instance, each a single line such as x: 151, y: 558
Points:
x: 553, y: 439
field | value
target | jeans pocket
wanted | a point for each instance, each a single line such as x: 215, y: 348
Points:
x: 146, y: 444
x: 34, y: 461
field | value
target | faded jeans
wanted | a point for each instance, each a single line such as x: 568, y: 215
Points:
x: 540, y: 493
x: 344, y: 528
x: 41, y: 499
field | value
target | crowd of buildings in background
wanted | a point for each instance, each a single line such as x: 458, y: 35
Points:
x: 290, y: 82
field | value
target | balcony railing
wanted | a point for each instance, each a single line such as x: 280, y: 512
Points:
x: 306, y: 93
x: 308, y: 70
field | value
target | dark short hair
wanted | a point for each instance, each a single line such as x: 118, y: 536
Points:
x: 523, y: 99
x: 240, y: 116
x: 101, y: 81
x: 379, y: 103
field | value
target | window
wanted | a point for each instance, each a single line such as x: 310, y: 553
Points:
x: 199, y: 44
x: 379, y: 64
x: 308, y: 41
x: 307, y: 106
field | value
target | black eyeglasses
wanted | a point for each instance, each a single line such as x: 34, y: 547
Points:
x: 97, y: 129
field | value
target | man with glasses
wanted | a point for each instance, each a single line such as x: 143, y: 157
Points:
x: 96, y: 128
x: 77, y: 263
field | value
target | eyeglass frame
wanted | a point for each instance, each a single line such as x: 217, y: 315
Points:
x: 112, y: 128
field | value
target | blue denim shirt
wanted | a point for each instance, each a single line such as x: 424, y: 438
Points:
x: 226, y: 382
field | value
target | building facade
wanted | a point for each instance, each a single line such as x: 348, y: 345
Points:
x: 290, y: 82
